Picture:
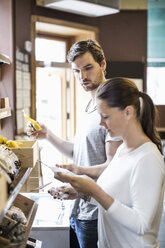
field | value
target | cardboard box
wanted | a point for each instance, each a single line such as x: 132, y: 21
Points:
x: 3, y: 191
x: 28, y: 152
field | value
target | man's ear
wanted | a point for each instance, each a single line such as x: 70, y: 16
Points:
x: 103, y: 64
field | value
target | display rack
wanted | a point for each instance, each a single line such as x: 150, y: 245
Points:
x: 22, y: 177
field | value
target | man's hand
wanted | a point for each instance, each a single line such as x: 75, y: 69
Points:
x: 37, y: 134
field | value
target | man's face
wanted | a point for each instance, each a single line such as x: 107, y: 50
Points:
x: 88, y: 71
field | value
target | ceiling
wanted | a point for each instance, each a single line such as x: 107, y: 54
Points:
x: 133, y: 4
x: 63, y: 30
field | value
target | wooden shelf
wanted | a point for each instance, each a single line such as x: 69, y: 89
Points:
x: 18, y: 183
x: 34, y: 210
x: 5, y: 112
x: 4, y: 59
x: 160, y: 129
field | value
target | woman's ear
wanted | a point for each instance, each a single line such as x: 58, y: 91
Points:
x: 129, y: 112
x: 103, y: 64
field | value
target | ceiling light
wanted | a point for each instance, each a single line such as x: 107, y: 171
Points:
x: 91, y: 8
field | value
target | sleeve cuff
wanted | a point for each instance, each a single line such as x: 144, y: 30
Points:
x: 113, y: 207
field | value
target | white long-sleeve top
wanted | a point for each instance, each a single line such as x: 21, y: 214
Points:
x: 136, y: 182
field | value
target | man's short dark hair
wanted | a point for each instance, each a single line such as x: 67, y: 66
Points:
x: 83, y: 46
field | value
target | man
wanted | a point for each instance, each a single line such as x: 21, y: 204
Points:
x: 92, y: 145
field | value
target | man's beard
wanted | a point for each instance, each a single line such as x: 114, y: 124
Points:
x: 91, y: 87
x: 94, y: 85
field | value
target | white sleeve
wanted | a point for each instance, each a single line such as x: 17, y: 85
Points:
x: 146, y: 192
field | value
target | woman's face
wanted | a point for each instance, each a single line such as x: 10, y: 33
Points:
x: 113, y: 119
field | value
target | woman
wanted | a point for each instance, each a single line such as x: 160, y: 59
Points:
x: 130, y: 190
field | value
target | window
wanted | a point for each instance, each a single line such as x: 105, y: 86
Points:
x: 155, y: 84
x: 156, y: 51
x: 52, y: 98
x: 48, y: 50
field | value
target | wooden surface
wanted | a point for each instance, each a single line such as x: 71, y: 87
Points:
x: 32, y: 183
x: 33, y: 213
x: 3, y: 192
x: 5, y: 112
x: 4, y: 59
x: 27, y: 153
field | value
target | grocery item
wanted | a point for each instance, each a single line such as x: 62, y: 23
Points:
x: 8, y: 143
x: 12, y: 144
x: 16, y: 214
x: 9, y: 165
x: 12, y: 230
x: 33, y: 122
x: 3, y: 140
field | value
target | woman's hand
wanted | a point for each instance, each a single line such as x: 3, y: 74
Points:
x: 83, y: 184
x: 37, y: 134
x: 70, y: 167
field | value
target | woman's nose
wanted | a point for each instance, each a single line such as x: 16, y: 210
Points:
x: 102, y: 122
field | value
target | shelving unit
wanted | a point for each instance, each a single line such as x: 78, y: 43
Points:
x: 18, y: 183
x: 16, y: 199
x: 3, y: 60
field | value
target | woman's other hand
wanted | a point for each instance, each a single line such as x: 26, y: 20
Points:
x: 83, y: 184
x: 65, y: 192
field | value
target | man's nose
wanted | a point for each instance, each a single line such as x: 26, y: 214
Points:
x: 82, y: 75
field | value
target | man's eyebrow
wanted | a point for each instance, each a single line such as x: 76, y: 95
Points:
x: 87, y: 65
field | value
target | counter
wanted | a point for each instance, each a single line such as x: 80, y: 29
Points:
x: 51, y: 223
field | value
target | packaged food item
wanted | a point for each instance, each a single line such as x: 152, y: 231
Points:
x: 8, y: 143
x: 9, y: 165
x: 33, y: 122
x: 16, y: 214
x: 9, y: 161
x: 12, y: 230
